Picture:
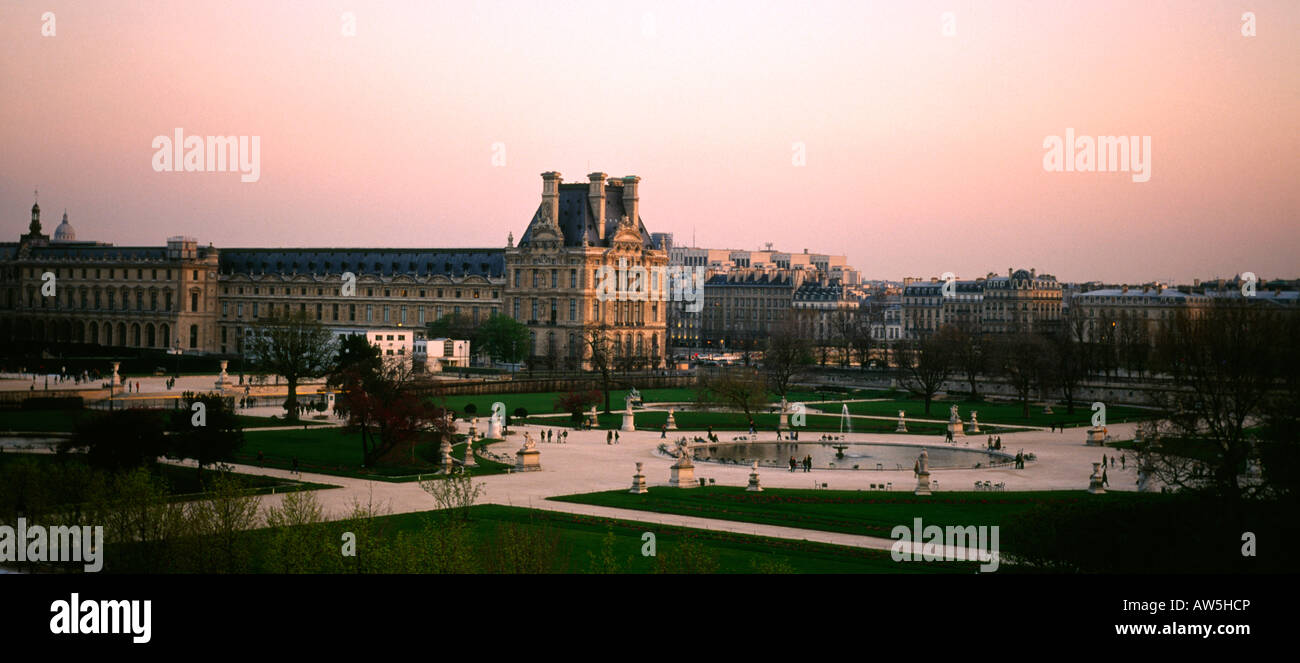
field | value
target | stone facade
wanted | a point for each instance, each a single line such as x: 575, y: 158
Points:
x: 209, y: 299
x: 555, y: 275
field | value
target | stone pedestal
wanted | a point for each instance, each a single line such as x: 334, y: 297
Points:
x: 973, y: 428
x: 1094, y: 481
x: 638, y: 482
x: 672, y: 423
x: 223, y: 380
x: 591, y: 418
x: 116, y: 380
x: 922, y: 484
x: 683, y: 471
x: 528, y: 460
x: 753, y: 481
x: 902, y: 423
x: 494, y: 428
x: 1096, y: 436
x: 683, y: 476
x: 629, y: 422
x: 783, y: 421
x: 954, y: 428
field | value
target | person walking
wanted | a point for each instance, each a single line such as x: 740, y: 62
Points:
x: 615, y: 437
x: 295, y: 466
x: 1105, y: 482
x: 792, y: 463
x: 609, y: 437
x: 663, y: 432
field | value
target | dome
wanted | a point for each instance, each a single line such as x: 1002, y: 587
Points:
x: 65, y: 232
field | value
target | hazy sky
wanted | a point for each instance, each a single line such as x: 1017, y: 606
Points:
x: 924, y: 152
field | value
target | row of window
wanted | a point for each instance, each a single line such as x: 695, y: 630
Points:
x: 105, y: 300
x: 291, y: 291
x: 71, y: 272
x: 338, y: 312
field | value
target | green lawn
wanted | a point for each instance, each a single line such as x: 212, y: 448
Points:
x: 337, y: 451
x: 46, y: 421
x: 180, y: 481
x: 853, y: 512
x: 65, y: 421
x: 579, y: 537
x: 991, y: 412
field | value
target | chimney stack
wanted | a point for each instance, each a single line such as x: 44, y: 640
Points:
x: 596, y: 199
x: 630, y: 199
x: 551, y: 196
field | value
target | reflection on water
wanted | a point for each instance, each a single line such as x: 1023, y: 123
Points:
x: 849, y: 455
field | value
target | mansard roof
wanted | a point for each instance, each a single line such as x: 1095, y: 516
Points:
x: 487, y: 263
x: 578, y: 222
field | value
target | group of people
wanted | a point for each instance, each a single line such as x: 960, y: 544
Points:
x: 806, y: 463
x: 995, y: 443
x: 611, y: 437
x: 1123, y: 463
x: 549, y: 435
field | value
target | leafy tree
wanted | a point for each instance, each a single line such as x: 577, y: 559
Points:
x: 576, y: 402
x: 295, y: 347
x: 217, y: 440
x: 453, y: 325
x: 356, y: 351
x: 504, y: 339
x: 122, y: 439
x: 389, y: 412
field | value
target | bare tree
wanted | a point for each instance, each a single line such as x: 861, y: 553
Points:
x: 785, y: 357
x: 924, y: 364
x: 969, y: 356
x: 1229, y: 369
x: 295, y: 347
x: 1019, y: 359
x: 602, y: 357
x: 738, y: 386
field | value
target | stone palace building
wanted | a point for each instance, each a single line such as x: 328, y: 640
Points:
x: 62, y: 294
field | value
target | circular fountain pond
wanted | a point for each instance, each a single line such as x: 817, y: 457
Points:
x: 849, y: 455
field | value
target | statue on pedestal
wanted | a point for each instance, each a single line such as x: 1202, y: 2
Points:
x: 922, y: 470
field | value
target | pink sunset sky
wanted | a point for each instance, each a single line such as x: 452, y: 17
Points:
x: 924, y: 152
